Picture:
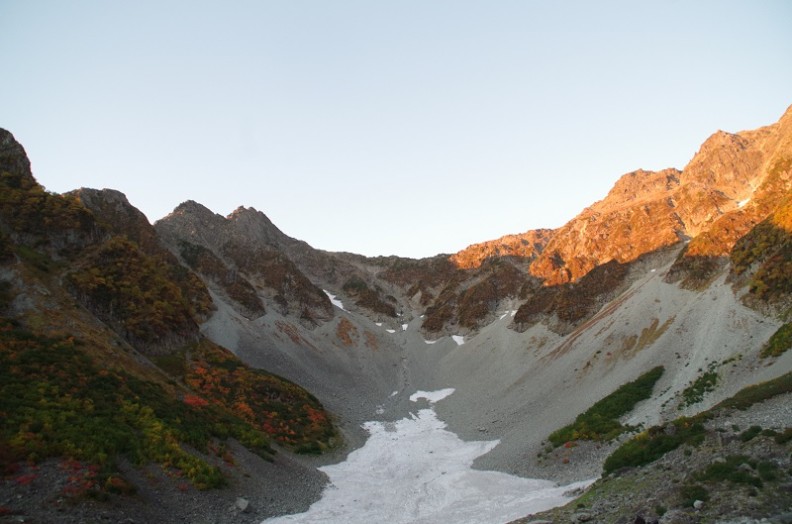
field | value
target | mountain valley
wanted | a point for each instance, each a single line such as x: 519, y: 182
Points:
x: 201, y: 368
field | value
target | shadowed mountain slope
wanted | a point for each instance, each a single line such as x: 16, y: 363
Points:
x: 107, y: 386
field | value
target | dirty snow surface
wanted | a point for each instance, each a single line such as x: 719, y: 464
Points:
x: 415, y: 471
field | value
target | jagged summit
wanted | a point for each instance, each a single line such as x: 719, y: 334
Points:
x: 646, y: 211
x: 244, y: 258
x: 191, y: 206
x: 256, y: 224
x: 639, y: 186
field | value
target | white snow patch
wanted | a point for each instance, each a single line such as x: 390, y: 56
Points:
x: 431, y: 396
x: 654, y: 270
x: 742, y: 203
x: 380, y: 410
x: 404, y: 327
x: 415, y: 471
x: 394, y: 393
x: 514, y: 312
x: 504, y: 316
x: 430, y: 341
x: 333, y: 300
x: 459, y: 339
x: 391, y: 330
x: 379, y: 324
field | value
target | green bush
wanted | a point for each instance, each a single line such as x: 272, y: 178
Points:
x: 783, y: 438
x: 730, y: 470
x: 779, y: 342
x: 751, y: 395
x: 704, y: 384
x: 750, y: 433
x: 654, y: 443
x: 693, y: 492
x: 601, y: 421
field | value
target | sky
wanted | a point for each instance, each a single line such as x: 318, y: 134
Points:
x: 410, y: 127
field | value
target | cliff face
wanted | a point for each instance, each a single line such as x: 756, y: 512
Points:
x: 733, y: 182
x: 31, y: 215
x: 638, y: 216
x: 242, y: 256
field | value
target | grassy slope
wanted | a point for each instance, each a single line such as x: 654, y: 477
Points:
x: 664, y: 469
x: 73, y: 388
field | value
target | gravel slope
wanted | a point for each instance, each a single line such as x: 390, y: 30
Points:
x: 510, y: 386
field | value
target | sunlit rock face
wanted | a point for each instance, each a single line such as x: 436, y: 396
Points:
x: 730, y: 185
x: 526, y: 245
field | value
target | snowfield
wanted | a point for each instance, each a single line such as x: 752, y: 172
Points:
x: 333, y: 300
x: 415, y: 471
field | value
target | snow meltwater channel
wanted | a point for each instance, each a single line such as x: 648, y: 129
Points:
x: 415, y: 471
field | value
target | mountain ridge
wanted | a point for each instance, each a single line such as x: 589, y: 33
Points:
x: 108, y: 385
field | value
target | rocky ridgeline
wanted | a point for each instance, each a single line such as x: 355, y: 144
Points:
x: 732, y: 183
x: 525, y: 245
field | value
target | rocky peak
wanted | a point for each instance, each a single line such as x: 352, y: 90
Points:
x: 115, y: 214
x: 731, y: 184
x: 255, y: 224
x: 638, y: 186
x: 524, y: 245
x: 786, y: 118
x: 243, y: 256
x: 33, y: 216
x: 191, y: 207
x: 636, y: 217
x: 727, y: 164
x: 749, y: 175
x: 195, y: 223
x: 13, y: 159
x: 193, y: 211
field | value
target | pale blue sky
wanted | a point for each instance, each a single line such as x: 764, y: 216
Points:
x: 404, y: 127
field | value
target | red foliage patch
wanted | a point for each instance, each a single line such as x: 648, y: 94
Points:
x: 195, y: 401
x: 26, y: 479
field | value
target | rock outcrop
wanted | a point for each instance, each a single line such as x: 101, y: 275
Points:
x: 243, y: 256
x: 525, y: 245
